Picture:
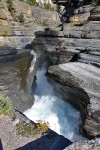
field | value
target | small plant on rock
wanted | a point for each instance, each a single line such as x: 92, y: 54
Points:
x: 29, y: 130
x: 21, y: 17
x: 10, y: 6
x: 6, y: 107
x: 48, y: 6
x: 32, y: 2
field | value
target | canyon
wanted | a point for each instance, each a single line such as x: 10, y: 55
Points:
x: 73, y: 56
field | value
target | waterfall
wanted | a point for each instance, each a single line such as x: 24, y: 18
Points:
x: 62, y: 117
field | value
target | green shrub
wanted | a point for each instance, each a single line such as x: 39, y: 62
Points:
x: 94, y: 2
x: 6, y: 107
x: 48, y: 6
x: 58, y: 8
x: 10, y: 6
x: 32, y: 2
x: 45, y: 5
x: 28, y: 130
x: 21, y: 18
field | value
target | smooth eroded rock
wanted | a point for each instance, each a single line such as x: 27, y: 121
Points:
x: 83, y: 78
x: 16, y: 76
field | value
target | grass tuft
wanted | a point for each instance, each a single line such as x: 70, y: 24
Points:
x: 6, y: 107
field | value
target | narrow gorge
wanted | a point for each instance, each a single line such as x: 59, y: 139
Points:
x: 51, y: 77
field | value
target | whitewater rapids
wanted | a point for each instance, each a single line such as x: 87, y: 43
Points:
x: 63, y: 118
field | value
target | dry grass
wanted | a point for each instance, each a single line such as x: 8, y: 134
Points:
x: 28, y: 130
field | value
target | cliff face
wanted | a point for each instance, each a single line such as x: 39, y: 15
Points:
x: 16, y: 78
x: 78, y: 47
x: 18, y: 22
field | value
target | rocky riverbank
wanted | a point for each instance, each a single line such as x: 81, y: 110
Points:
x: 75, y: 52
x: 78, y: 80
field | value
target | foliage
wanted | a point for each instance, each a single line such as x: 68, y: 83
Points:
x: 42, y: 126
x: 58, y: 8
x: 10, y: 6
x: 45, y: 5
x: 21, y: 18
x: 32, y: 2
x: 29, y: 130
x: 92, y: 2
x: 6, y: 107
x: 48, y: 6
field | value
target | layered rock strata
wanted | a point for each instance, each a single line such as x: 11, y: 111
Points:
x: 77, y: 82
x: 80, y: 85
x: 18, y: 23
x: 16, y: 76
x: 17, y: 26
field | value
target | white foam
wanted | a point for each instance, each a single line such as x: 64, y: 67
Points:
x: 97, y: 141
x: 62, y: 117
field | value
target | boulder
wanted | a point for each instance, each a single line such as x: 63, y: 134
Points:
x: 24, y: 8
x: 95, y: 14
x: 44, y: 17
x: 83, y: 12
x: 59, y: 57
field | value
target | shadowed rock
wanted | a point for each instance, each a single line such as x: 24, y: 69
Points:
x: 16, y: 76
x: 55, y: 142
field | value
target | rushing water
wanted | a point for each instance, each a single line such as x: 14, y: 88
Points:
x: 62, y: 117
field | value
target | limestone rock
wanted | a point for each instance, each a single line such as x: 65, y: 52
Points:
x: 16, y: 41
x: 15, y: 77
x: 95, y: 14
x: 25, y: 9
x: 89, y: 30
x: 83, y: 146
x: 59, y: 57
x: 83, y: 12
x: 44, y: 17
x: 86, y: 78
x: 4, y: 13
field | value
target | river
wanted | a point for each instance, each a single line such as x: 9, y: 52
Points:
x: 63, y: 118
